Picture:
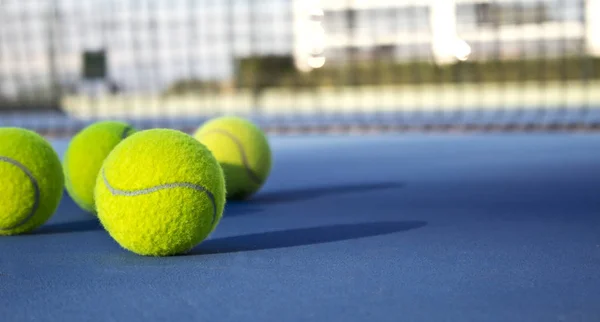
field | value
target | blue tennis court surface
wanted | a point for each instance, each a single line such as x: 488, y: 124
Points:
x: 349, y: 228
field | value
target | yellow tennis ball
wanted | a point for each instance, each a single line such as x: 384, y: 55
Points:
x: 84, y: 156
x: 31, y: 180
x: 160, y: 192
x: 243, y: 151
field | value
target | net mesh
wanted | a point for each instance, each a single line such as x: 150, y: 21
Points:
x: 301, y: 64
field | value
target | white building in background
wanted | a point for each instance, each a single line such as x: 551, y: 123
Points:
x: 445, y: 31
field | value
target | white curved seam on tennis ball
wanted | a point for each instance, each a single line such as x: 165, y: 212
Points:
x: 36, y: 192
x: 133, y: 193
x: 253, y: 176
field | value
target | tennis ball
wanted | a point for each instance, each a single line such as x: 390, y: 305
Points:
x: 160, y: 192
x: 243, y: 151
x: 84, y: 156
x: 31, y: 180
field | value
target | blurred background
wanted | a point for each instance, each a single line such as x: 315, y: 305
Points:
x: 302, y: 65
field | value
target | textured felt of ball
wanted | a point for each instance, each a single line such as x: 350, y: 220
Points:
x: 31, y: 179
x: 242, y: 149
x: 84, y: 157
x: 160, y: 192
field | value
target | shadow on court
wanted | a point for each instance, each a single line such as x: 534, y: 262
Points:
x: 68, y: 208
x: 303, y: 236
x: 318, y: 192
x: 70, y: 227
x: 239, y: 208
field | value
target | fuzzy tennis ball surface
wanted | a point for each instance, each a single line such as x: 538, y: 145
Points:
x: 31, y: 180
x: 243, y: 151
x: 84, y: 156
x: 160, y: 192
